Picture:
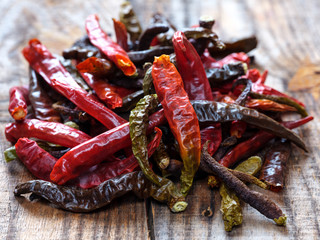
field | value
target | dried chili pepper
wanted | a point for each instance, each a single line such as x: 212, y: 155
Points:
x: 242, y: 98
x: 85, y: 200
x: 10, y: 154
x: 130, y: 101
x: 164, y: 39
x: 99, y: 67
x: 97, y: 110
x: 255, y: 199
x: 213, y: 134
x: 209, y: 111
x: 252, y: 145
x: 40, y: 101
x: 121, y: 34
x: 180, y: 115
x: 141, y: 57
x: 206, y: 22
x: 111, y: 49
x: 230, y: 204
x: 74, y: 113
x: 110, y: 169
x: 18, y: 103
x: 275, y: 164
x: 90, y: 153
x: 235, y: 57
x: 237, y: 128
x: 53, y: 132
x: 161, y: 156
x: 129, y: 19
x: 150, y: 33
x: 269, y: 105
x: 38, y: 161
x: 191, y: 69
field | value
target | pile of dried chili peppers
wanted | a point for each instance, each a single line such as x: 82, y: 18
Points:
x: 153, y: 108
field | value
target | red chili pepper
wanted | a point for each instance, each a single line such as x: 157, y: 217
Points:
x: 18, y: 102
x: 37, y: 160
x: 90, y: 153
x: 238, y: 128
x: 110, y: 169
x: 212, y: 134
x: 255, y: 76
x: 97, y: 110
x: 235, y: 57
x: 101, y: 87
x: 53, y: 132
x: 181, y: 116
x: 111, y: 49
x: 251, y: 146
x: 208, y: 61
x: 121, y: 34
x: 191, y: 69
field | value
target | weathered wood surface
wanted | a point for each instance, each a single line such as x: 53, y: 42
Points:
x: 288, y: 32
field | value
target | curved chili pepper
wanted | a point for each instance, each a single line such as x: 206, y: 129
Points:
x: 252, y: 145
x: 129, y: 102
x: 40, y: 101
x: 110, y: 169
x: 90, y: 153
x: 209, y: 111
x: 206, y: 22
x: 18, y: 103
x: 191, y: 69
x: 87, y: 104
x: 275, y: 164
x: 180, y: 115
x: 111, y: 49
x: 255, y: 199
x: 212, y: 134
x: 79, y: 54
x: 268, y: 105
x: 242, y: 98
x: 151, y: 32
x: 85, y: 200
x: 164, y: 38
x: 140, y: 57
x: 53, y: 132
x: 121, y: 34
x: 38, y: 161
x: 98, y: 67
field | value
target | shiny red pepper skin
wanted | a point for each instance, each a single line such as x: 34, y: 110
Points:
x: 210, y: 62
x: 110, y: 169
x: 105, y: 44
x: 238, y: 128
x: 121, y: 34
x: 213, y: 135
x: 90, y: 153
x: 252, y: 145
x: 191, y: 69
x: 97, y: 110
x: 37, y: 160
x: 18, y: 102
x: 53, y: 132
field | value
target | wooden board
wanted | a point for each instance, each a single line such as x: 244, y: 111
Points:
x: 288, y: 32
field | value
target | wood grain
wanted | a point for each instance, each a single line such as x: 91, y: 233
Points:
x: 288, y: 32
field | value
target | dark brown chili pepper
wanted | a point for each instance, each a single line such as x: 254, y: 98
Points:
x: 129, y: 102
x: 85, y: 200
x: 242, y: 98
x: 164, y: 38
x: 78, y: 53
x: 39, y: 99
x: 140, y: 57
x: 210, y: 111
x: 72, y: 112
x: 206, y: 22
x: 151, y: 32
x: 255, y: 199
x: 274, y: 165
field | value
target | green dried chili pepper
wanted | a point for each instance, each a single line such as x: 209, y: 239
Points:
x: 130, y: 20
x: 282, y: 100
x: 138, y: 133
x: 230, y: 203
x: 10, y: 154
x: 147, y: 85
x: 161, y: 156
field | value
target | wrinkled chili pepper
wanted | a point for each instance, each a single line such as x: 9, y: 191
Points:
x: 110, y: 169
x: 104, y: 90
x: 10, y: 154
x: 230, y: 204
x: 275, y: 164
x: 94, y: 151
x: 150, y: 33
x: 191, y: 69
x: 18, y: 102
x: 130, y: 20
x: 147, y: 85
x: 111, y: 49
x: 85, y: 200
x: 121, y: 34
x: 38, y: 161
x: 40, y: 101
x: 53, y: 132
x: 161, y: 156
x: 141, y: 57
x: 237, y: 128
x: 138, y: 134
x: 181, y: 116
x: 97, y: 110
x: 212, y: 134
x: 242, y: 98
x: 209, y: 111
x: 99, y: 67
x: 255, y: 199
x: 252, y: 145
